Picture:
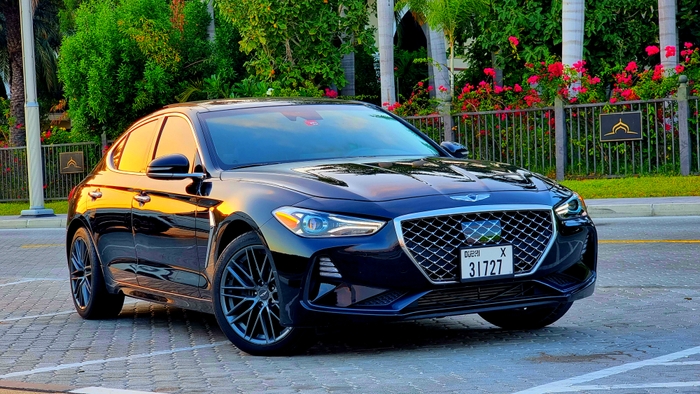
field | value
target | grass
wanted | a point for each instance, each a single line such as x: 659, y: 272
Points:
x: 15, y: 208
x: 652, y: 186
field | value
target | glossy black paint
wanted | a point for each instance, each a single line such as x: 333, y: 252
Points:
x: 159, y: 239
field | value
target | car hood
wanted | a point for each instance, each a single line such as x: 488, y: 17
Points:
x: 369, y: 180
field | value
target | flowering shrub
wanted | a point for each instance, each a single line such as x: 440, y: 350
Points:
x: 549, y: 79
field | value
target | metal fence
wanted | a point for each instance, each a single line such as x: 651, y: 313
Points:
x: 528, y: 138
x: 13, y: 176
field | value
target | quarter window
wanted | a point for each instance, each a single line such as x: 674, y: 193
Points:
x: 136, y: 153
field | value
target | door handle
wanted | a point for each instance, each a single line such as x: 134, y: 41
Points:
x: 95, y: 194
x: 142, y: 199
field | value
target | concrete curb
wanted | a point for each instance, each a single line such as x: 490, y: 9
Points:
x: 16, y: 222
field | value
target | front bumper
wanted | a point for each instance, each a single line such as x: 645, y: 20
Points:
x: 373, y: 278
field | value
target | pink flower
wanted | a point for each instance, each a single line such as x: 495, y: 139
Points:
x: 513, y: 41
x: 490, y: 72
x: 628, y: 94
x: 385, y: 104
x: 497, y: 89
x: 430, y: 88
x: 652, y: 50
x: 688, y: 45
x: 442, y: 88
x: 670, y: 51
x: 533, y: 79
x: 420, y: 84
x: 613, y: 100
x: 631, y: 67
x: 517, y: 88
x: 578, y: 66
x: 594, y: 80
x: 679, y: 69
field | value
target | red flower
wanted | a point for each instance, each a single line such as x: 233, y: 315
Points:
x: 420, y: 84
x: 670, y: 51
x: 658, y: 72
x: 594, y: 80
x: 513, y: 41
x: 533, y: 79
x: 497, y: 89
x: 490, y: 72
x: 679, y: 69
x: 578, y: 66
x: 517, y: 88
x: 556, y: 69
x: 667, y: 127
x: 652, y: 50
x: 430, y: 88
x: 442, y: 88
x: 613, y: 100
x: 688, y: 45
x: 628, y: 94
x: 631, y: 67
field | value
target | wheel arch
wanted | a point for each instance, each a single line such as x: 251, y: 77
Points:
x: 76, y: 223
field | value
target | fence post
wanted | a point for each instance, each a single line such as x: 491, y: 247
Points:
x: 683, y: 137
x: 560, y: 137
x: 103, y: 138
x: 447, y: 121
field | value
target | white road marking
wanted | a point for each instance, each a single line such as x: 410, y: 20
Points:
x: 107, y: 360
x: 574, y: 389
x: 31, y: 280
x: 568, y: 385
x: 103, y: 390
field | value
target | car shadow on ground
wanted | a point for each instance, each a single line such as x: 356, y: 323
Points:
x: 447, y: 332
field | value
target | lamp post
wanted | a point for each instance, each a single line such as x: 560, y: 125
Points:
x: 31, y: 116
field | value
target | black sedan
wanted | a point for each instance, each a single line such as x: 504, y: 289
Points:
x: 280, y: 216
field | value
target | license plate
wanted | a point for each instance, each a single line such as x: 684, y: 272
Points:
x: 487, y: 262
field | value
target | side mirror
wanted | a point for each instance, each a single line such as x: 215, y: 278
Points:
x: 175, y: 166
x: 455, y: 149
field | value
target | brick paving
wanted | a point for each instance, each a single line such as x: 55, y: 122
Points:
x: 646, y: 305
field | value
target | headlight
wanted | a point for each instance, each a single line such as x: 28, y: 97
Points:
x: 308, y: 223
x: 571, y: 208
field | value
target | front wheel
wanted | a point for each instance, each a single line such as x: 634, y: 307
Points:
x: 246, y: 300
x: 529, y: 318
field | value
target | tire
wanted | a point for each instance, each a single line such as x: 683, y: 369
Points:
x: 246, y: 300
x: 530, y: 318
x: 88, y: 290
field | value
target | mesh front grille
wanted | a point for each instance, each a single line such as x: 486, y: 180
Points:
x: 434, y: 242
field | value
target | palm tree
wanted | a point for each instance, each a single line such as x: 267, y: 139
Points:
x: 667, y: 33
x: 573, y: 12
x: 385, y: 22
x: 46, y: 41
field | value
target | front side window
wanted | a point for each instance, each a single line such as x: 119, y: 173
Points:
x: 243, y: 137
x: 136, y: 153
x: 177, y: 137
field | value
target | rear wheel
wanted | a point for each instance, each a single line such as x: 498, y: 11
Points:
x: 246, y: 300
x: 529, y: 318
x: 88, y: 290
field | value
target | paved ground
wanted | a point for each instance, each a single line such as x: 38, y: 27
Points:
x: 637, y: 334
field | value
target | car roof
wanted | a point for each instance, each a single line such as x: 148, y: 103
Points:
x: 254, y: 102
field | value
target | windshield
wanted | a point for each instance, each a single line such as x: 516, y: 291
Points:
x: 255, y: 136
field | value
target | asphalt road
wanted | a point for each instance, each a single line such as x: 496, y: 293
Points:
x: 637, y: 334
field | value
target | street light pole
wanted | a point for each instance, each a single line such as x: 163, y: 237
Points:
x: 31, y: 116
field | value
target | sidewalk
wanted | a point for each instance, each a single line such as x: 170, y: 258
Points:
x: 601, y: 208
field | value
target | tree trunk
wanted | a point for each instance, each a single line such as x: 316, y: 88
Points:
x: 14, y: 49
x: 385, y: 21
x: 573, y: 12
x: 667, y: 33
x: 348, y: 63
x: 439, y: 71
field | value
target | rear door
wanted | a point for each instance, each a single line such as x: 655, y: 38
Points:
x: 109, y: 207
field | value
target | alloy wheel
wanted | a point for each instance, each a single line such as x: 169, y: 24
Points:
x: 249, y: 297
x: 80, y: 273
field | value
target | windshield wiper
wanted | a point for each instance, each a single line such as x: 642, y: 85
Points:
x: 255, y: 165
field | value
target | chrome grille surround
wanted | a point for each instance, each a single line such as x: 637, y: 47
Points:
x: 443, y: 237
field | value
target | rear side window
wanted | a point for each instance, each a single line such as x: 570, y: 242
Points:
x: 136, y: 153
